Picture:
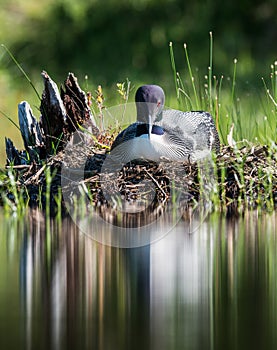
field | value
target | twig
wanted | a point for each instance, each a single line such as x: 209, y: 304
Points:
x: 21, y: 166
x: 35, y: 176
x: 156, y: 182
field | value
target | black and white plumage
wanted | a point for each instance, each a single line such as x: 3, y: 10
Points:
x: 166, y: 133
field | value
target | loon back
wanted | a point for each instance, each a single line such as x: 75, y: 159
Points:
x: 197, y: 126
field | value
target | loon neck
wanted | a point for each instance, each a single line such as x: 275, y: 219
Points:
x: 143, y: 129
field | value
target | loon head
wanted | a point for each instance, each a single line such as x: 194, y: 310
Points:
x: 149, y: 103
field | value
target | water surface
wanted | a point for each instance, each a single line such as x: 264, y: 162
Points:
x: 213, y: 289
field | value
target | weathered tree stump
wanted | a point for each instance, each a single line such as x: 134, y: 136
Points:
x: 30, y: 131
x: 61, y: 115
x: 53, y: 116
x: 14, y: 156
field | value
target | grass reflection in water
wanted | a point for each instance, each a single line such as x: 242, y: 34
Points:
x: 213, y: 289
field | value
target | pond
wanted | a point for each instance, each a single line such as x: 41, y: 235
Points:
x: 213, y: 287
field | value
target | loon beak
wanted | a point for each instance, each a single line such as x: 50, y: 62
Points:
x: 149, y: 125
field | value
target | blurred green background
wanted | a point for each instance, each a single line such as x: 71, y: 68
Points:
x: 111, y: 40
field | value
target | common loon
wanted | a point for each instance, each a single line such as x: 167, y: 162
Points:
x: 166, y: 133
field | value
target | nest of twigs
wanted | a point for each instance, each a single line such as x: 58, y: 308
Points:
x: 235, y: 179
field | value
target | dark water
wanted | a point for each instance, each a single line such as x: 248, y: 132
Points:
x: 213, y: 289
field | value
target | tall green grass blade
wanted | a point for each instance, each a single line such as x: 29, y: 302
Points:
x: 173, y: 65
x: 210, y: 72
x: 269, y: 95
x: 9, y: 119
x: 183, y: 91
x: 191, y: 77
x: 275, y: 81
x: 21, y: 69
x: 218, y: 106
x: 234, y: 81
